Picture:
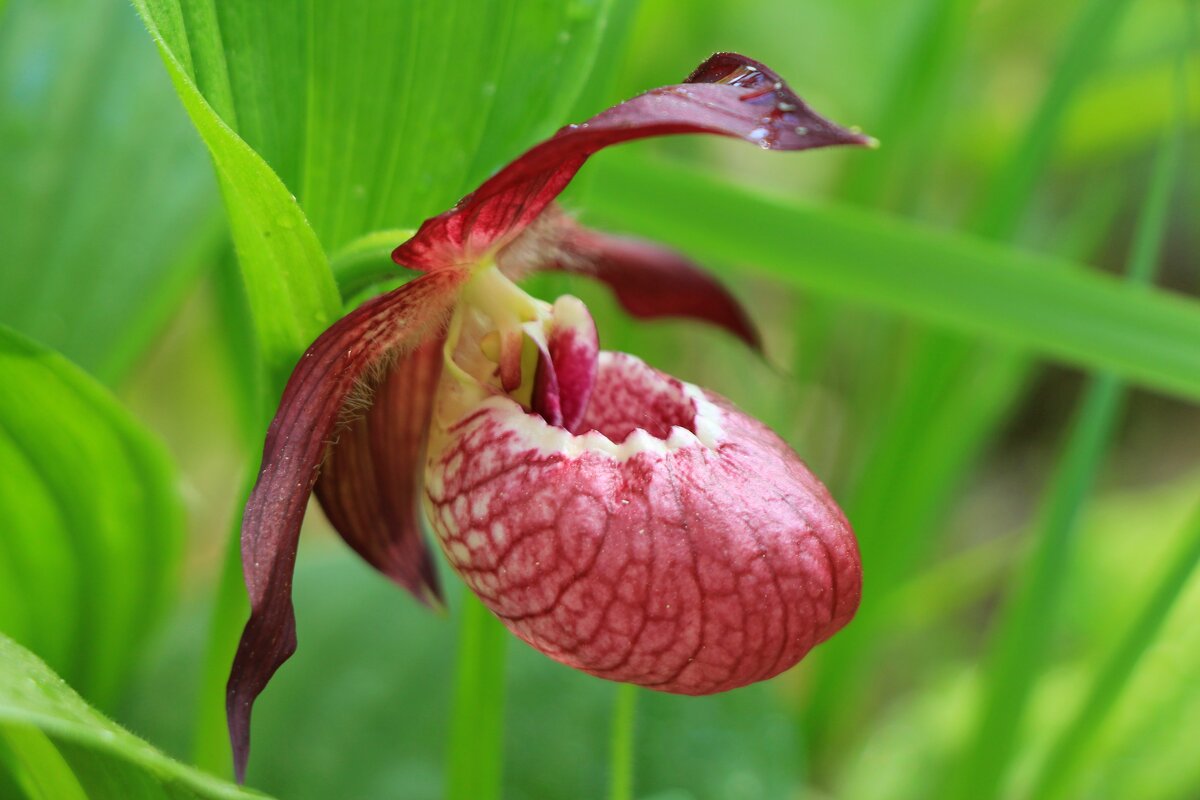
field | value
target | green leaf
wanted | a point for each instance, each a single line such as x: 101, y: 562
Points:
x: 93, y: 521
x: 291, y: 294
x: 54, y: 746
x: 375, y: 115
x: 110, y: 206
x: 1039, y: 303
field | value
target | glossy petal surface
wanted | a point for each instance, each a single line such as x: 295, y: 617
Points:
x: 728, y: 95
x: 679, y: 545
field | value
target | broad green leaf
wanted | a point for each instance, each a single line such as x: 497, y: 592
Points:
x: 291, y: 294
x: 93, y: 523
x: 53, y: 745
x: 1038, y: 303
x: 375, y: 115
x: 109, y: 207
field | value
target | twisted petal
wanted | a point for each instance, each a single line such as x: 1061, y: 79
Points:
x: 368, y: 485
x: 727, y: 95
x: 679, y: 544
x: 323, y: 381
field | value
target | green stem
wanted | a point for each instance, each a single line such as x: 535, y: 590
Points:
x: 620, y: 753
x: 210, y: 745
x: 476, y: 758
x: 367, y: 260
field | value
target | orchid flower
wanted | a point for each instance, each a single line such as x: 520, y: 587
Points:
x: 621, y: 521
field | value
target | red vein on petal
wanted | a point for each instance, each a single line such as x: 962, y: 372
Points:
x: 296, y: 443
x: 369, y: 484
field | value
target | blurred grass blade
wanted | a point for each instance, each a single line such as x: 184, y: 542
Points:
x: 1054, y: 309
x: 621, y: 749
x: 1062, y: 764
x: 1028, y: 623
x: 36, y: 765
x: 1114, y: 674
x: 1007, y: 196
x: 910, y: 116
x: 230, y: 608
x: 93, y: 521
x: 1020, y: 648
x: 953, y: 402
x: 476, y: 750
x: 110, y: 209
x: 60, y: 748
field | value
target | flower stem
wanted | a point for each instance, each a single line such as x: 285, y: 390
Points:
x: 620, y: 785
x: 476, y: 749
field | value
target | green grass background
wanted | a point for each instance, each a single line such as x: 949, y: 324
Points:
x: 984, y: 336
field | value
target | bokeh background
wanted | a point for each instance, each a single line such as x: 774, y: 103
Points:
x: 1027, y: 518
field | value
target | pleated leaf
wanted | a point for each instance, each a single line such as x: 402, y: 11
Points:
x: 53, y: 745
x: 92, y: 522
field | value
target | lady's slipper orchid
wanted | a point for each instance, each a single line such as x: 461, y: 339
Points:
x: 623, y: 522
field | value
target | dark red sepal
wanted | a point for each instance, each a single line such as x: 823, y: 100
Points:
x: 313, y: 402
x: 650, y: 281
x: 727, y: 95
x: 369, y: 485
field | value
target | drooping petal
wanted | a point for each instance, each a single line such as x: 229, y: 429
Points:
x: 369, y: 483
x: 727, y: 95
x: 679, y: 544
x: 313, y: 402
x: 650, y: 281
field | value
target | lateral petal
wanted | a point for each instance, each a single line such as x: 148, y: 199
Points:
x: 370, y: 482
x: 649, y: 281
x: 727, y: 95
x: 323, y: 381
